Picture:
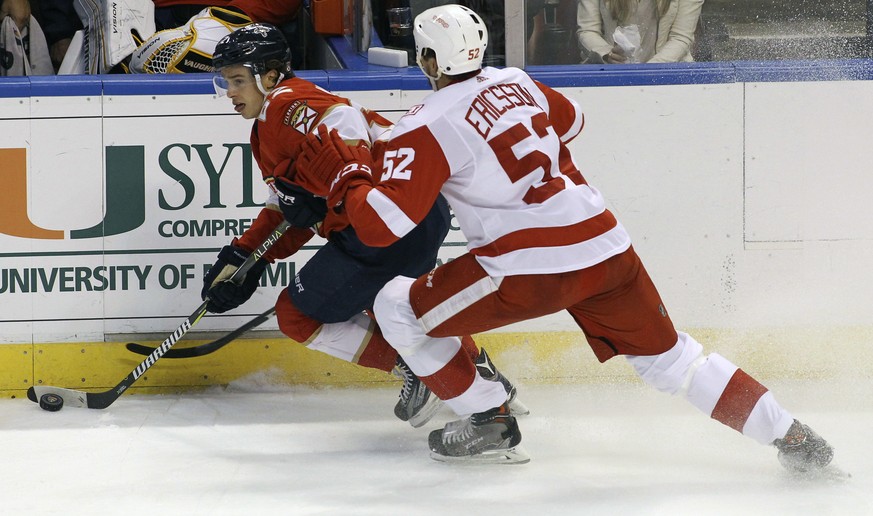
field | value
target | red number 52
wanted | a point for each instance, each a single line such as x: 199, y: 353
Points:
x: 518, y: 167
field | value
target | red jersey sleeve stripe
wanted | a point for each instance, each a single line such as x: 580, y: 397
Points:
x: 565, y: 114
x: 576, y: 127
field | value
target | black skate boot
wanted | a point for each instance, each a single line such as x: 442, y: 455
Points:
x: 417, y: 403
x: 487, y: 437
x: 802, y: 450
x: 489, y: 372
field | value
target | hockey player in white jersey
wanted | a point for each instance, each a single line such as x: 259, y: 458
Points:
x: 493, y: 142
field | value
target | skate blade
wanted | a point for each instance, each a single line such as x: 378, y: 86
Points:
x: 427, y: 412
x: 514, y: 455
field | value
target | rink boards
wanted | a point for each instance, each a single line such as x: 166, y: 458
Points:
x: 744, y: 186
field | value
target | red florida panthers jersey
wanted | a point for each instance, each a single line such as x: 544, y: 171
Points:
x: 292, y: 109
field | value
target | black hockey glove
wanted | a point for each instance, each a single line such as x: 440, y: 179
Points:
x: 225, y: 295
x: 299, y: 207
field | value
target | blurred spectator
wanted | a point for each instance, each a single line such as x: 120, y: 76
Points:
x: 493, y: 15
x: 553, y: 40
x: 59, y: 22
x: 637, y: 31
x: 23, y: 49
x: 18, y: 10
x: 494, y: 18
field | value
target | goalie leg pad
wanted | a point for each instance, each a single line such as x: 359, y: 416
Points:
x: 75, y: 59
x: 188, y: 48
x: 114, y: 29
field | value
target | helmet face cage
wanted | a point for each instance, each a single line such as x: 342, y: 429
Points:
x: 456, y: 34
x: 259, y: 47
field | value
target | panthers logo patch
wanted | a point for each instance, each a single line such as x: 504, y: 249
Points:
x: 300, y: 116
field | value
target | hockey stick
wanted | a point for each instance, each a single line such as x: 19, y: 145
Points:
x: 101, y: 400
x: 209, y: 347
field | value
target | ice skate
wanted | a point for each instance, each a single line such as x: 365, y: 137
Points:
x: 490, y: 437
x: 805, y: 454
x: 489, y: 372
x: 417, y: 404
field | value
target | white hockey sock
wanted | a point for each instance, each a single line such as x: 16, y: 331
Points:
x: 345, y: 340
x: 430, y: 357
x: 716, y: 387
x: 481, y: 396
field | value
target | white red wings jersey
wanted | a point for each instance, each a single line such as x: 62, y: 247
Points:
x: 292, y: 109
x: 494, y: 145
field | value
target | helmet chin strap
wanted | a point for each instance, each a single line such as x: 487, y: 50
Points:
x: 260, y: 85
x: 431, y: 78
x: 433, y: 82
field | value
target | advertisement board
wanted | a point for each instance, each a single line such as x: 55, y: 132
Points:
x: 112, y: 216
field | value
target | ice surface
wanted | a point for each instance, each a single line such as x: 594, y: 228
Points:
x: 254, y: 450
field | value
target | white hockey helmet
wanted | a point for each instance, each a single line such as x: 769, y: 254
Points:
x: 456, y: 34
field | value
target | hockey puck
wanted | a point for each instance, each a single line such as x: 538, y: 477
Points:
x: 51, y: 402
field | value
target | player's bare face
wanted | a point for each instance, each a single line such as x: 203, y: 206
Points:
x: 242, y: 90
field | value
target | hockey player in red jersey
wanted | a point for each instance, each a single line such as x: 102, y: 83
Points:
x: 493, y: 142
x: 325, y: 307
